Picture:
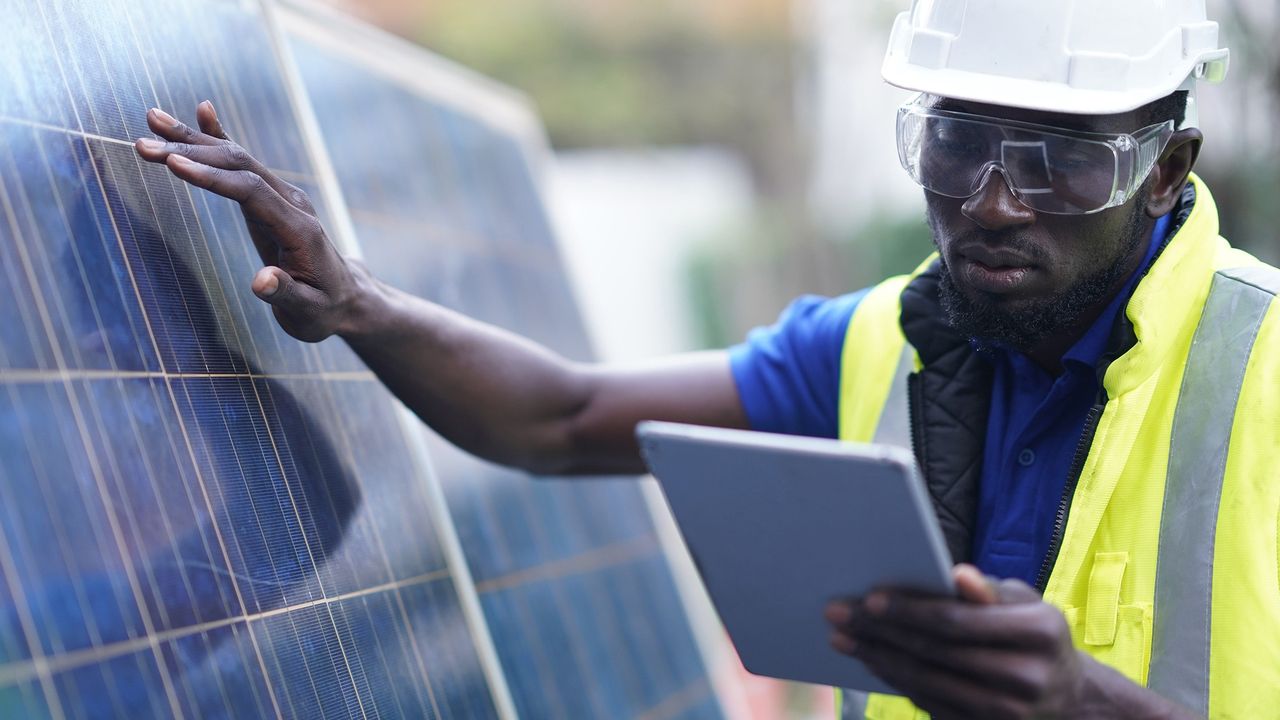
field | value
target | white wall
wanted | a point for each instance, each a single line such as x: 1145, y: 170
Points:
x: 852, y: 112
x: 627, y: 220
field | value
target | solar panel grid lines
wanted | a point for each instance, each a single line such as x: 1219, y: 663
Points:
x: 346, y: 240
x: 469, y: 602
x: 189, y: 66
x: 531, y: 547
x: 202, y: 517
x: 356, y: 643
x: 45, y: 320
x: 324, y: 188
x: 109, y: 169
x: 558, y: 615
x: 16, y: 672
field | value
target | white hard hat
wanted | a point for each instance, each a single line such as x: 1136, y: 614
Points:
x: 1087, y: 57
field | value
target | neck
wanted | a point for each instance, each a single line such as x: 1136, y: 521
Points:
x: 1048, y: 353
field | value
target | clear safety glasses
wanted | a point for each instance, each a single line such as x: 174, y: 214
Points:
x: 1050, y: 170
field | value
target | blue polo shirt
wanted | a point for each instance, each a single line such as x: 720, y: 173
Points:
x: 788, y: 377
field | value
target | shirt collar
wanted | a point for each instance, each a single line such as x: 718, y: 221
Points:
x: 1089, y: 348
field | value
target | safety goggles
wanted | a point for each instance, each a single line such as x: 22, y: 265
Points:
x: 1050, y: 170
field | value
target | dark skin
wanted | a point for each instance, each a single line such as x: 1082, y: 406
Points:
x: 1067, y: 247
x: 493, y: 393
x: 998, y: 650
x: 995, y: 650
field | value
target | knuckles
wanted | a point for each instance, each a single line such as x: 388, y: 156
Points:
x: 237, y: 157
x: 309, y: 227
x: 1048, y: 629
x: 255, y: 183
x: 299, y: 199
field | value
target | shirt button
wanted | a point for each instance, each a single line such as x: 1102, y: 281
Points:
x: 1027, y: 457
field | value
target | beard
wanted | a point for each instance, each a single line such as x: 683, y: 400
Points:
x: 982, y: 317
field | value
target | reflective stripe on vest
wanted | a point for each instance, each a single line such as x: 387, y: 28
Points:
x: 894, y: 427
x: 863, y: 393
x: 1238, y: 302
x: 852, y: 704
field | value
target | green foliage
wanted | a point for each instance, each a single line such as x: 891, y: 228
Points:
x: 887, y: 246
x: 743, y: 277
x: 1248, y: 213
x: 640, y: 75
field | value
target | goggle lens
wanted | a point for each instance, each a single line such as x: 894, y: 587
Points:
x: 1048, y: 170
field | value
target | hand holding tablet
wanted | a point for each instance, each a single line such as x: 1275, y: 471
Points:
x: 780, y: 526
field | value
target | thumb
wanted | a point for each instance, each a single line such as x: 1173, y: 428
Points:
x: 1016, y: 591
x: 277, y: 287
x: 973, y: 586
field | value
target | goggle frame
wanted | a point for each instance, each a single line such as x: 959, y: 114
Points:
x: 1135, y: 154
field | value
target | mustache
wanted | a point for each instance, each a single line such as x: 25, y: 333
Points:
x: 1013, y: 240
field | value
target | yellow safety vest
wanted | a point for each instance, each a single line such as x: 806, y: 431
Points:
x: 1169, y: 564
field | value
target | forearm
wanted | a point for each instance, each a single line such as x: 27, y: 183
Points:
x: 493, y: 393
x: 1108, y: 694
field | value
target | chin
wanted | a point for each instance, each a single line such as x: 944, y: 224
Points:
x: 1004, y: 301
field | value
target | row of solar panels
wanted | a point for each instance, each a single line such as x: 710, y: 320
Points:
x: 201, y: 517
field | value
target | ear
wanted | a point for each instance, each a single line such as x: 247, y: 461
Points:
x: 1171, y: 172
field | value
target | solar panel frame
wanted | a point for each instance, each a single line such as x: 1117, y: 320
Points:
x: 343, y: 234
x: 168, y: 367
x: 511, y: 115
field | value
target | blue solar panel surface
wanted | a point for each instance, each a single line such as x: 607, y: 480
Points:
x: 199, y: 516
x: 574, y: 585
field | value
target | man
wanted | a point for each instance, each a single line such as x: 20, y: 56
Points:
x: 1085, y: 371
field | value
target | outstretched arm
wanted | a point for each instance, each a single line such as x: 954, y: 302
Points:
x: 489, y: 391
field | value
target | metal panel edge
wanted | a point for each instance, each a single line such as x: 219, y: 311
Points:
x: 413, y: 66
x: 279, y: 20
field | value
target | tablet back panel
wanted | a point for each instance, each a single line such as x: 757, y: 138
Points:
x: 778, y: 526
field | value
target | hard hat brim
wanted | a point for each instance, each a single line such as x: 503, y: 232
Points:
x: 1052, y: 97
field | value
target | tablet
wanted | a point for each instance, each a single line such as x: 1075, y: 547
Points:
x: 779, y: 525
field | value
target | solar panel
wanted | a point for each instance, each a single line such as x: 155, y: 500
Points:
x: 438, y: 170
x: 199, y: 516
x: 204, y: 518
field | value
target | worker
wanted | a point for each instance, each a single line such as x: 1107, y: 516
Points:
x: 1087, y: 373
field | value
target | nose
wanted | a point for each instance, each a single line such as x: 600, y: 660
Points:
x: 994, y: 206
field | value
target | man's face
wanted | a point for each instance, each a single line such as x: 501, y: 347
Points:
x: 1016, y: 276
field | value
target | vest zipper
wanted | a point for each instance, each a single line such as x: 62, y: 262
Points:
x: 1068, y: 492
x: 915, y: 417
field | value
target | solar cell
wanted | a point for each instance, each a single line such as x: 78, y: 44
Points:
x: 205, y: 518
x: 444, y: 200
x: 199, y: 516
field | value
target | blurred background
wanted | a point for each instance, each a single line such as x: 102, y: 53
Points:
x: 713, y: 159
